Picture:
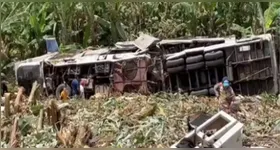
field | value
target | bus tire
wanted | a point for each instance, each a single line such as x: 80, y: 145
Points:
x: 194, y: 59
x: 175, y: 62
x: 215, y: 63
x: 60, y: 88
x: 203, y: 92
x: 175, y: 69
x: 213, y: 55
x: 195, y: 66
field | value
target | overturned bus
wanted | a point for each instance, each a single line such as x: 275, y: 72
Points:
x: 250, y: 64
x: 149, y: 65
x: 120, y: 69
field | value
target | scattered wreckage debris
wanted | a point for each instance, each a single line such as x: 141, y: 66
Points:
x: 15, y: 126
x: 15, y: 135
x: 219, y: 131
x: 79, y: 136
x: 19, y: 99
x: 133, y: 120
x: 197, y: 120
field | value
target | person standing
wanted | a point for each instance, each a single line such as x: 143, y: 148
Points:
x: 64, y: 96
x: 75, y: 87
x: 225, y: 93
x: 82, y: 91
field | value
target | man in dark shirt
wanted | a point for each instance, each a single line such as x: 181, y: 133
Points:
x: 75, y: 87
x: 225, y: 93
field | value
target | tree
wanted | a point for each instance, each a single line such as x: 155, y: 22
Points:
x: 103, y: 23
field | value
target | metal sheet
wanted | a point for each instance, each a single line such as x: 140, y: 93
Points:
x: 171, y: 42
x: 184, y: 52
x: 96, y: 59
x: 144, y: 41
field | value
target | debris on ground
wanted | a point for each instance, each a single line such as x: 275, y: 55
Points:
x: 217, y: 131
x: 127, y: 121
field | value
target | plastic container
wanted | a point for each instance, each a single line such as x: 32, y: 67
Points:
x: 51, y: 45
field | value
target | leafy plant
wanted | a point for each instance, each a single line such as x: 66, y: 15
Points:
x: 24, y: 25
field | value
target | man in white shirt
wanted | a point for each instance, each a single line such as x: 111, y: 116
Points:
x: 82, y: 91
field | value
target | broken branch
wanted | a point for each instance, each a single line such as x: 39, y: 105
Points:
x: 14, y: 140
x: 32, y: 99
x: 18, y: 99
x: 7, y: 105
x: 40, y: 120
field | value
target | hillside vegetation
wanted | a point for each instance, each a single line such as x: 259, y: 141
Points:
x: 24, y: 25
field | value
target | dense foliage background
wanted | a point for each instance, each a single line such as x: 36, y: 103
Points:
x: 24, y: 25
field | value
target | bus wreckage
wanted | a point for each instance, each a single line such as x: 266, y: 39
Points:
x: 149, y: 65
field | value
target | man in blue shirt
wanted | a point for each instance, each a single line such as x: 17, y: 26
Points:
x: 75, y: 87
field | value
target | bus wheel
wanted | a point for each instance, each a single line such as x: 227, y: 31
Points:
x: 60, y: 88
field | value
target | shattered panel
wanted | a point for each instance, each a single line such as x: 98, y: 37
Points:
x: 138, y: 79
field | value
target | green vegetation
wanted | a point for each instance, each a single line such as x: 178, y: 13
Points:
x: 24, y: 24
x: 155, y: 121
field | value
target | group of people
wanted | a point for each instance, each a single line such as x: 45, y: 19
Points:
x: 223, y: 92
x: 77, y: 90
